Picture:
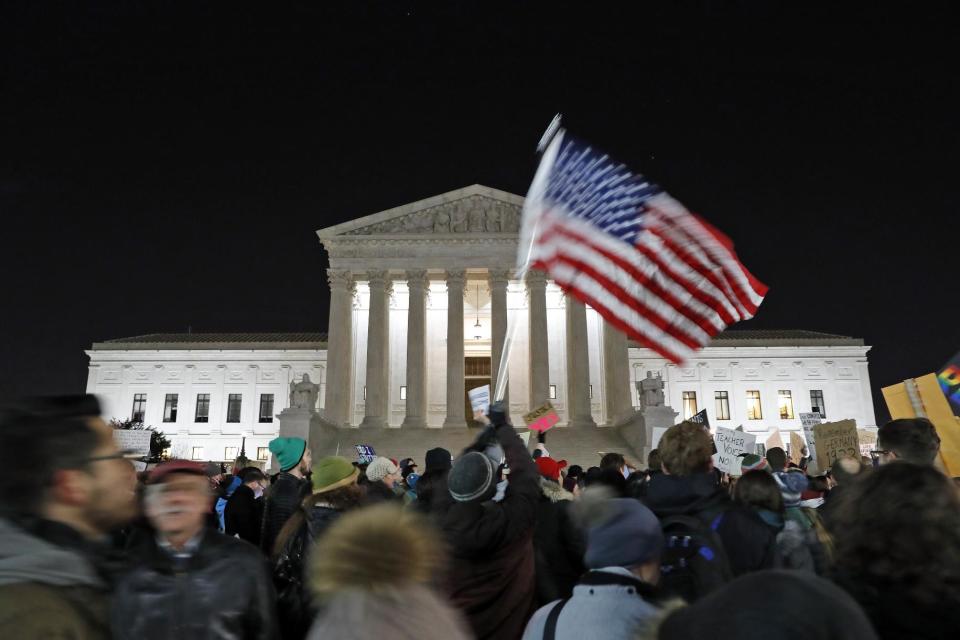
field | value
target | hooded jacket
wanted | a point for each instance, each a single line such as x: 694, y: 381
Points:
x: 558, y: 544
x: 48, y: 591
x: 243, y: 515
x: 610, y: 603
x: 283, y: 499
x: 491, y: 545
x: 223, y: 593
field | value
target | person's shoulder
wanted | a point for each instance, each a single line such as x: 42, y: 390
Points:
x: 537, y: 623
x: 34, y: 610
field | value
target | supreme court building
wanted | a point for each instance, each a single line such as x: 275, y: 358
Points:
x: 420, y: 297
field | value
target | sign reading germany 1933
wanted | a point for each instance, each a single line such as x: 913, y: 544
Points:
x: 836, y: 440
x: 542, y: 419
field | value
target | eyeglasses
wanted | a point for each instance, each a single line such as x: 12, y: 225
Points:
x: 120, y: 455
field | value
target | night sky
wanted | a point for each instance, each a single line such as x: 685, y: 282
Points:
x: 164, y: 165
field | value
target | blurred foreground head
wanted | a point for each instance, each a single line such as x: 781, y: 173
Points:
x: 685, y: 449
x: 910, y: 439
x: 63, y: 464
x: 178, y: 498
x: 372, y: 571
x: 769, y: 604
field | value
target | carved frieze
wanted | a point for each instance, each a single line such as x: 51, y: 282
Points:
x: 473, y: 214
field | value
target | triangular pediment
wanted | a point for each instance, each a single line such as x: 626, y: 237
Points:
x: 473, y: 209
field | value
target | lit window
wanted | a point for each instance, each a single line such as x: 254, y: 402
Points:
x: 785, y: 403
x: 590, y: 392
x: 266, y: 407
x: 170, y: 408
x: 403, y: 393
x: 722, y: 399
x: 754, y: 412
x: 139, y: 407
x: 816, y: 403
x: 202, y: 413
x: 553, y: 392
x: 230, y: 453
x: 196, y: 453
x: 689, y: 404
x: 233, y: 407
x: 263, y: 453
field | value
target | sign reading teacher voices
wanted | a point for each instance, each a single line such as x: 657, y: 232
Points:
x: 730, y: 444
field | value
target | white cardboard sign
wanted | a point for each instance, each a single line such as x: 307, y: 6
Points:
x: 135, y: 441
x: 809, y: 421
x: 480, y: 400
x: 730, y: 444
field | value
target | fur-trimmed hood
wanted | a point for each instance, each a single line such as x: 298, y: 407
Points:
x: 553, y: 491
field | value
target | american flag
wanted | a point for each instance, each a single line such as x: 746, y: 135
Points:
x: 622, y: 245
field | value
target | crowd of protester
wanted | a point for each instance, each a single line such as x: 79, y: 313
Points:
x: 494, y: 542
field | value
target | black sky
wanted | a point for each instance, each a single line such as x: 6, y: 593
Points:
x: 165, y: 164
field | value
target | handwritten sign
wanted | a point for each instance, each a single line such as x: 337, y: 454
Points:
x: 480, y: 400
x: 730, y: 444
x: 137, y: 442
x: 542, y: 419
x: 701, y: 418
x: 365, y: 452
x: 796, y: 447
x: 836, y: 440
x: 809, y: 421
x: 868, y: 441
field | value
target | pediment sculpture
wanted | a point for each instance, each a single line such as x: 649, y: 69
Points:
x: 473, y: 214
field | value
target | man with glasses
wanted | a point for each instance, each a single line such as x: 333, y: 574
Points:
x: 910, y: 439
x: 188, y: 580
x: 244, y: 511
x: 65, y: 486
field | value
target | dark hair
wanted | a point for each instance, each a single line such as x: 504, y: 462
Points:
x: 653, y: 460
x: 591, y: 476
x: 777, y: 458
x: 912, y: 439
x: 340, y: 499
x: 432, y: 488
x: 251, y: 474
x: 686, y: 448
x: 612, y: 461
x: 575, y: 471
x: 759, y: 490
x: 817, y: 483
x: 899, y: 528
x: 42, y: 438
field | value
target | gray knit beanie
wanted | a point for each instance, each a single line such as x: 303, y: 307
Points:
x: 473, y: 477
x: 626, y: 534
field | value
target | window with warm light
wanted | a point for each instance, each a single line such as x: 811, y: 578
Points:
x: 403, y: 393
x: 754, y: 412
x: 263, y: 453
x: 230, y: 453
x: 689, y: 404
x: 722, y: 399
x: 196, y: 453
x: 785, y: 404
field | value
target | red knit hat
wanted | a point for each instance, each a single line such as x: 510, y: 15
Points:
x: 161, y: 471
x: 550, y: 468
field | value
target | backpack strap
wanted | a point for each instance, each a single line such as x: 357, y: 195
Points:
x: 550, y: 626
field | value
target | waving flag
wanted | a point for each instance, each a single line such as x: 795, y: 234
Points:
x: 622, y: 245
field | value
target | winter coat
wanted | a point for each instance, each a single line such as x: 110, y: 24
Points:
x: 558, y: 544
x: 609, y: 603
x: 47, y: 591
x: 283, y: 499
x: 222, y: 592
x: 758, y: 547
x: 243, y: 515
x: 295, y: 604
x: 699, y: 495
x: 227, y: 488
x: 491, y: 546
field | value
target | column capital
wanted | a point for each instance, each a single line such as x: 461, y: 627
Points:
x: 417, y: 279
x: 456, y: 279
x: 341, y: 279
x: 536, y: 279
x: 380, y: 280
x: 499, y: 278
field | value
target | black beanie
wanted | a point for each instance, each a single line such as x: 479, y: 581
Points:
x: 473, y: 477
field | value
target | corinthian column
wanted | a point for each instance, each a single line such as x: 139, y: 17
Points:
x: 578, y: 366
x: 616, y: 375
x: 339, y: 347
x: 498, y: 280
x: 417, y: 283
x: 378, y: 351
x: 539, y: 345
x: 456, y: 280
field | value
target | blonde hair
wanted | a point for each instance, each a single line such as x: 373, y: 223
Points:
x: 686, y: 448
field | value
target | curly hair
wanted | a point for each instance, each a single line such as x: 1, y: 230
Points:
x: 686, y: 448
x: 900, y: 528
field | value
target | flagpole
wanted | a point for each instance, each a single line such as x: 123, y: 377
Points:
x: 524, y: 264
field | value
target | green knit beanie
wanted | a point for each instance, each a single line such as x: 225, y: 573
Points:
x: 289, y: 451
x: 332, y: 473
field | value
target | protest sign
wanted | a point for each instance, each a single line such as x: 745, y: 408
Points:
x: 836, y: 440
x: 365, y: 452
x: 657, y: 434
x: 796, y: 447
x: 868, y: 441
x: 730, y: 444
x: 480, y: 400
x: 949, y: 380
x: 924, y: 397
x: 775, y: 440
x: 136, y: 441
x: 701, y: 418
x: 810, y: 420
x: 542, y: 419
